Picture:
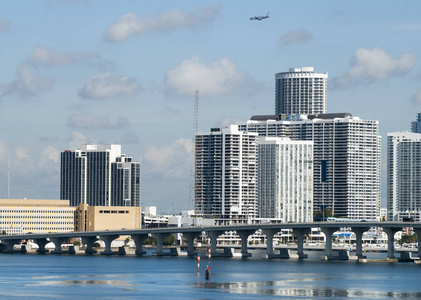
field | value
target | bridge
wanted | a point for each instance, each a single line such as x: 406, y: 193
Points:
x: 7, y: 242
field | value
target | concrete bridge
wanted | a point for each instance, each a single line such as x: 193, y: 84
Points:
x: 7, y: 242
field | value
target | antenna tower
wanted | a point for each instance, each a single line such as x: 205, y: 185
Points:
x: 192, y: 194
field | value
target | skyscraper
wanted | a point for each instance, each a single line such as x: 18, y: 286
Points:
x: 226, y: 174
x: 301, y: 91
x: 416, y: 125
x: 125, y: 182
x: 285, y: 180
x: 403, y: 176
x: 346, y: 158
x: 99, y: 175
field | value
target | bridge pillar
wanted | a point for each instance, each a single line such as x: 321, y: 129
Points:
x: 359, y: 231
x: 269, y: 240
x: 57, y: 242
x: 213, y: 235
x: 41, y: 245
x: 190, y: 237
x: 159, y: 237
x: 244, y: 234
x: 89, y: 241
x: 391, y: 240
x: 301, y: 232
x: 328, y: 231
x: 9, y: 245
x: 418, y: 232
x: 138, y: 239
x: 108, y: 239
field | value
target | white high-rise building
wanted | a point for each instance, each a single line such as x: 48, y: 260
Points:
x: 301, y: 91
x: 226, y: 174
x: 403, y: 176
x: 99, y: 175
x: 346, y: 159
x: 285, y: 185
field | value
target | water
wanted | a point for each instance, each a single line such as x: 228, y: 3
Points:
x: 117, y: 277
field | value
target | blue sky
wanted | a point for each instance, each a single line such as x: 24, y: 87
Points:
x: 125, y: 72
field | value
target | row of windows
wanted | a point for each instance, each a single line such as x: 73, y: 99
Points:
x: 113, y: 211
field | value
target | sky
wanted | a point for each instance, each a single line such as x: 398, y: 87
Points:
x: 125, y: 72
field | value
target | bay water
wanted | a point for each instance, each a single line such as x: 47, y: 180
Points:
x: 33, y: 276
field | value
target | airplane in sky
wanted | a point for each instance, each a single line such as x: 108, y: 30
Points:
x: 259, y: 18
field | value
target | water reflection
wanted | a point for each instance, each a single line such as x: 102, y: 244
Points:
x: 277, y: 288
x: 79, y: 280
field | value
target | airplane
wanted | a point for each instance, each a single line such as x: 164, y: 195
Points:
x: 259, y: 18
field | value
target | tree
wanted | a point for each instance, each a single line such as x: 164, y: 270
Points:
x: 149, y: 241
x: 413, y: 238
x: 169, y: 240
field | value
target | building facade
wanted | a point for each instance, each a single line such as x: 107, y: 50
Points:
x: 23, y: 216
x: 416, y: 125
x: 403, y: 176
x: 226, y: 174
x: 99, y: 175
x: 125, y: 179
x: 101, y: 218
x: 346, y: 175
x: 301, y: 91
x: 285, y: 181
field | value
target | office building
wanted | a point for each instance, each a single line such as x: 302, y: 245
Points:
x: 226, y: 174
x: 301, y: 91
x: 346, y: 174
x: 101, y: 218
x: 99, y: 175
x: 23, y: 216
x: 403, y: 176
x: 416, y: 125
x: 125, y: 178
x: 285, y: 181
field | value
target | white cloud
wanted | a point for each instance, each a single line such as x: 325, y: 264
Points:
x: 170, y: 160
x: 23, y: 153
x: 88, y: 120
x: 48, y: 57
x: 225, y: 121
x: 219, y: 78
x: 48, y: 156
x: 108, y: 85
x: 374, y: 65
x: 297, y: 36
x: 28, y: 83
x: 51, y: 153
x: 76, y: 140
x: 417, y: 96
x: 24, y: 164
x: 129, y: 25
